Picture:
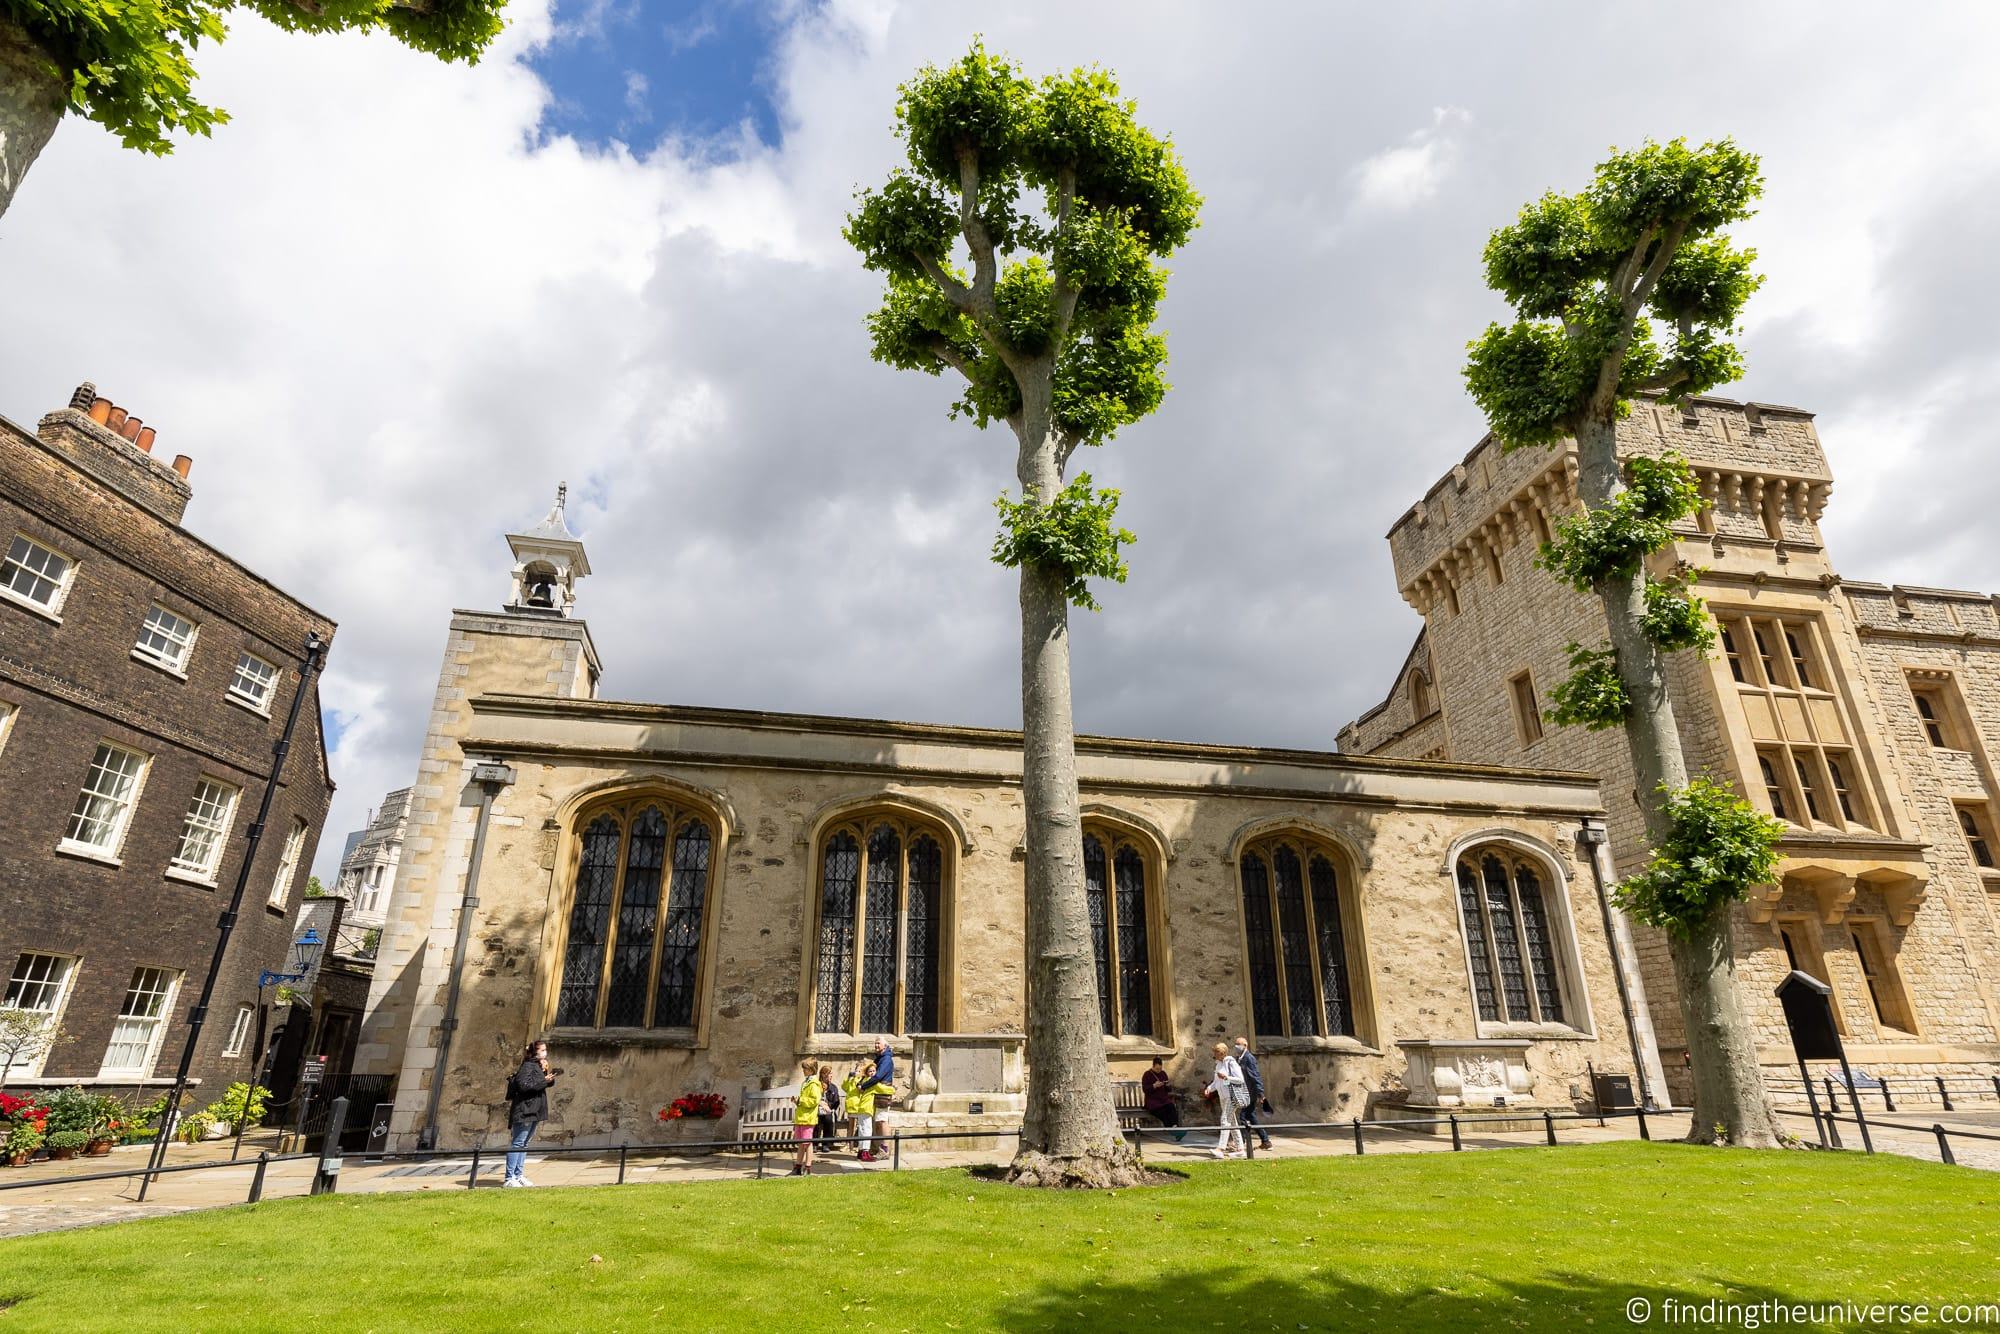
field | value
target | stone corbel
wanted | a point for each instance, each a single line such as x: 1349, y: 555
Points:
x: 1761, y: 901
x: 1835, y: 892
x: 1901, y: 895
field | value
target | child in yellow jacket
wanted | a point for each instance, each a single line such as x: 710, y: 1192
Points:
x: 861, y: 1102
x: 805, y: 1119
x: 850, y: 1096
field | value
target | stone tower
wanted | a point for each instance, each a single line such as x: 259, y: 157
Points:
x: 533, y: 646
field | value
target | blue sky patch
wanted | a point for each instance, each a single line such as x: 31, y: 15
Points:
x: 636, y: 72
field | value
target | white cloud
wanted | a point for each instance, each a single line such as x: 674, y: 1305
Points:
x: 385, y: 312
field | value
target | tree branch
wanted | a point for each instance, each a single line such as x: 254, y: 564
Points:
x: 1066, y: 292
x: 1630, y: 303
x: 984, y: 269
x: 1066, y: 443
x: 944, y: 350
x: 954, y: 291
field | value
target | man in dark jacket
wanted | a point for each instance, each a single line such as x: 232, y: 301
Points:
x: 527, y: 1107
x: 1254, y: 1079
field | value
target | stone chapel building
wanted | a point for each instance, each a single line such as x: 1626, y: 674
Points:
x: 688, y: 899
x: 1866, y: 717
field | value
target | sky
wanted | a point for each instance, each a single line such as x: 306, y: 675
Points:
x: 393, y: 303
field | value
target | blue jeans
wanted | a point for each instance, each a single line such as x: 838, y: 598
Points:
x: 517, y: 1157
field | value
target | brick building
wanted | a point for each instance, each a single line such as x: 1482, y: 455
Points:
x: 1866, y: 717
x: 144, y: 677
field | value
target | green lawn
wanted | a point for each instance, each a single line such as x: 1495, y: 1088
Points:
x: 1523, y: 1239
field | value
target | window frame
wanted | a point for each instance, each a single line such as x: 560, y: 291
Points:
x: 9, y: 711
x: 204, y: 873
x: 908, y: 826
x: 53, y: 608
x: 1944, y: 726
x: 1800, y: 934
x: 152, y: 657
x: 1557, y: 926
x: 289, y: 858
x: 257, y: 704
x: 1526, y: 705
x: 1306, y: 844
x: 1979, y: 837
x: 111, y: 852
x: 65, y: 988
x: 678, y: 810
x: 1778, y: 655
x: 1116, y: 838
x: 1882, y: 977
x: 239, y: 1030
x: 160, y: 1021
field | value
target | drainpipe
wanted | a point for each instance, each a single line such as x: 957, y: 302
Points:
x: 1594, y: 837
x: 491, y: 777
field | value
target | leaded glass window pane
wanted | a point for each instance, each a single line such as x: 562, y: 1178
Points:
x: 680, y: 937
x: 1266, y: 1005
x: 589, y: 924
x: 925, y: 926
x: 1475, y: 941
x: 1540, y: 945
x: 840, y: 879
x: 1332, y: 948
x: 638, y: 919
x: 1506, y: 940
x: 1135, y: 988
x: 878, y: 946
x: 1294, y: 942
x: 1097, y: 893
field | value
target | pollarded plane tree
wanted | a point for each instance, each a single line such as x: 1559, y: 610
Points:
x: 127, y: 64
x: 1020, y: 242
x: 1632, y: 287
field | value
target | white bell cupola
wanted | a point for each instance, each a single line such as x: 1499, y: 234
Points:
x: 548, y: 560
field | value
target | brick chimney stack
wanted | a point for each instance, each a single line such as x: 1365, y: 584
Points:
x: 114, y: 446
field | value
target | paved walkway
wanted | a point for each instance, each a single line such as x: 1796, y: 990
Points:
x: 56, y: 1205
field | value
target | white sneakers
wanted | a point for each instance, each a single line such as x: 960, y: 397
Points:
x: 517, y: 1181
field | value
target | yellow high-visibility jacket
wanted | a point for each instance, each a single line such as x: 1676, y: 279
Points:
x: 860, y: 1101
x: 807, y: 1111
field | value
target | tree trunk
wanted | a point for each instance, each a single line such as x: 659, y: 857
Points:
x: 1728, y: 1087
x: 1069, y: 1134
x: 31, y: 102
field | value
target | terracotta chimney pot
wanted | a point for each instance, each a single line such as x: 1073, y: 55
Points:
x: 145, y: 440
x: 181, y: 465
x: 100, y: 410
x: 131, y: 428
x: 116, y: 421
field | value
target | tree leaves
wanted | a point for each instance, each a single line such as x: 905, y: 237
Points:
x: 1593, y: 696
x: 127, y: 61
x: 1073, y: 533
x: 1718, y: 845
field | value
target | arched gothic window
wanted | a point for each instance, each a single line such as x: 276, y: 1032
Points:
x: 1503, y: 902
x: 1300, y: 927
x: 882, y: 916
x: 1118, y: 881
x: 632, y: 956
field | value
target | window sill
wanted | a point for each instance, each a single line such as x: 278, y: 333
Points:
x: 167, y: 668
x: 1331, y: 1046
x: 671, y: 1038
x: 53, y: 615
x: 850, y: 1044
x: 261, y: 710
x: 84, y: 852
x: 188, y: 877
x: 1535, y: 1032
x: 86, y: 1081
x: 1138, y: 1046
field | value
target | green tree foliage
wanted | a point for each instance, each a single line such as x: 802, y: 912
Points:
x: 1720, y: 846
x: 1593, y: 695
x: 1594, y: 277
x: 1020, y: 244
x: 1072, y: 533
x: 128, y: 64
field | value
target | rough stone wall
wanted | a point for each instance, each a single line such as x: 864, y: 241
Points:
x: 756, y: 1012
x: 516, y: 654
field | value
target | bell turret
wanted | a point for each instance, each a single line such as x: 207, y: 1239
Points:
x: 548, y: 560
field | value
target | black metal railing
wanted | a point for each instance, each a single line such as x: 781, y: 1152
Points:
x: 1944, y: 1091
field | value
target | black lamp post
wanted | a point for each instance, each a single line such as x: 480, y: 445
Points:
x: 305, y: 952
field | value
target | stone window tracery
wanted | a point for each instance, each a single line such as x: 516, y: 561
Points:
x: 1805, y: 761
x: 1301, y: 938
x: 1511, y: 944
x: 881, y: 941
x: 639, y: 896
x: 1120, y: 884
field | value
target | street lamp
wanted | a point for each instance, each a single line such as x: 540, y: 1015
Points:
x: 305, y: 953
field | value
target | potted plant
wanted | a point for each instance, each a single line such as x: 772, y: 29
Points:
x: 194, y: 1127
x: 230, y: 1110
x: 109, y: 1121
x: 23, y: 1138
x: 65, y: 1144
x: 684, y: 1113
x: 73, y: 1110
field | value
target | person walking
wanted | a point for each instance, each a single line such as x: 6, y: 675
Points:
x: 1158, y: 1087
x: 878, y: 1085
x: 805, y: 1119
x: 1253, y: 1083
x: 830, y: 1104
x: 1229, y: 1092
x: 527, y: 1107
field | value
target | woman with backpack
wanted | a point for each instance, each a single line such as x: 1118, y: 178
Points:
x: 829, y: 1110
x: 527, y: 1107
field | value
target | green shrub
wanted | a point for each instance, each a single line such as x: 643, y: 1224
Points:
x: 194, y: 1127
x: 72, y: 1109
x: 228, y: 1109
x: 68, y: 1139
x: 23, y: 1138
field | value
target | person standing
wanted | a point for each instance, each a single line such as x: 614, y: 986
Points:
x: 878, y: 1085
x: 861, y: 1105
x: 829, y: 1110
x: 1253, y: 1082
x: 1158, y: 1088
x: 805, y: 1119
x: 527, y: 1107
x: 1230, y: 1094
